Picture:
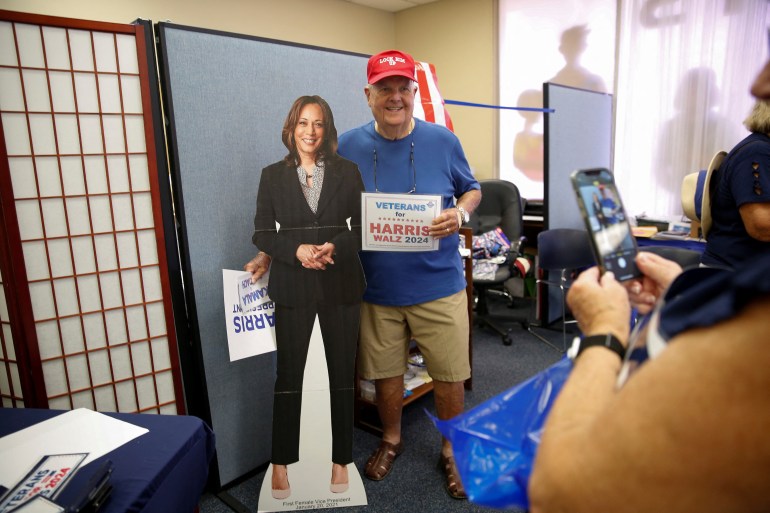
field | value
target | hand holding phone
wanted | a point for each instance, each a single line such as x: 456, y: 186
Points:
x: 606, y: 221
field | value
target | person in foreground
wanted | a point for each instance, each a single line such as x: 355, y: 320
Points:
x: 687, y: 431
x: 412, y: 295
x: 311, y: 194
x: 740, y: 212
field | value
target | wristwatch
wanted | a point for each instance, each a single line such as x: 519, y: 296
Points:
x: 608, y: 340
x: 464, y: 213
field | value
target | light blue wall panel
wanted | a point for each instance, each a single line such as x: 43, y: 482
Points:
x: 578, y: 135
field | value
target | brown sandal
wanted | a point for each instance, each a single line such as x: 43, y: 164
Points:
x: 381, y: 461
x: 454, y: 486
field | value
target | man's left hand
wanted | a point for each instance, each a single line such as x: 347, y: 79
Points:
x: 258, y: 266
x: 445, y: 224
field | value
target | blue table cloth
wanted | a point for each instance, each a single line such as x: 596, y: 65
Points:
x: 165, y: 470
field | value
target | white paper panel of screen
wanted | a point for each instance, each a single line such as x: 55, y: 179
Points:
x: 11, y: 395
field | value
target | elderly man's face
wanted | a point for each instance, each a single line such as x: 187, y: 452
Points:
x: 392, y: 101
x: 761, y: 86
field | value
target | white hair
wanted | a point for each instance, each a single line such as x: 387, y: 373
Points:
x: 759, y: 119
x: 375, y: 87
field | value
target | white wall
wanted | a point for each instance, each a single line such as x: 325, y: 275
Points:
x: 457, y: 36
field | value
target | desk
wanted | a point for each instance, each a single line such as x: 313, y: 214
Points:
x: 165, y: 470
x: 531, y: 226
x: 694, y: 244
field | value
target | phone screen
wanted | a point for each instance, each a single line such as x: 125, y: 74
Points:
x: 606, y: 221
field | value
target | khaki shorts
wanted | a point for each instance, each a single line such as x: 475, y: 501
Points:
x: 440, y: 329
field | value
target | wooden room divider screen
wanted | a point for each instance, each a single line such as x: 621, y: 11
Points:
x: 85, y: 305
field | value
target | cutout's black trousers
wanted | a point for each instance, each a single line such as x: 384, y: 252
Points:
x: 293, y: 327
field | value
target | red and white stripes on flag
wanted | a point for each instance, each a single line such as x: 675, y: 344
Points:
x: 429, y: 105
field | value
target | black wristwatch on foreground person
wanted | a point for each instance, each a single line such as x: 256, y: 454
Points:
x: 607, y: 340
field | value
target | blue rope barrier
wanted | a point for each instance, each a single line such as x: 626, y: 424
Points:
x: 486, y: 106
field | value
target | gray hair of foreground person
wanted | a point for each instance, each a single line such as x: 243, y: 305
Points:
x: 758, y: 120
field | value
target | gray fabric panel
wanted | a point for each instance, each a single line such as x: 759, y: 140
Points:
x: 578, y: 135
x: 230, y: 96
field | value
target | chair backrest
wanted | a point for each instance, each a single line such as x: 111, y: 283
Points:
x: 564, y: 248
x: 501, y: 205
x: 686, y: 258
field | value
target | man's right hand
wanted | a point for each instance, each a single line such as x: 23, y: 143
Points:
x: 258, y: 266
x: 600, y: 304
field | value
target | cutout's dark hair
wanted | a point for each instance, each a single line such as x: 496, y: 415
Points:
x: 328, y: 148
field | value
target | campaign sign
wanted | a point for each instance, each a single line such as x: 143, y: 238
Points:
x: 45, y: 479
x: 249, y: 315
x: 398, y: 222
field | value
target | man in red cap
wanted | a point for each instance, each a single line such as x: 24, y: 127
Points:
x: 419, y: 295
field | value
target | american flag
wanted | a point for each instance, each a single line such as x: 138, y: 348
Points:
x: 429, y: 105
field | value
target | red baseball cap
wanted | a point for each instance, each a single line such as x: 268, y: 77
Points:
x: 390, y: 63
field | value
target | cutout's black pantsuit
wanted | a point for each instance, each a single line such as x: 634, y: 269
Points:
x: 333, y: 294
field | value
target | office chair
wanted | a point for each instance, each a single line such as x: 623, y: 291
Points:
x: 686, y: 258
x: 562, y: 250
x: 501, y: 206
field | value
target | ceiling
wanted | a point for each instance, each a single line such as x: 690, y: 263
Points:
x: 391, y: 5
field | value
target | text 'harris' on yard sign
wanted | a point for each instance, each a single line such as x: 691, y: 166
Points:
x: 398, y: 222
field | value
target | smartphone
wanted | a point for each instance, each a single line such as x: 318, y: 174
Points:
x: 605, y: 218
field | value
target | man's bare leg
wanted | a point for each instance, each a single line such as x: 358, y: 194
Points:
x: 390, y: 401
x: 450, y: 401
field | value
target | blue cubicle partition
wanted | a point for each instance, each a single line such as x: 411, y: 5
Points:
x: 578, y: 134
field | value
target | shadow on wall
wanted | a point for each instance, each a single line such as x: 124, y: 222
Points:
x: 574, y: 42
x: 696, y: 131
x: 528, y: 147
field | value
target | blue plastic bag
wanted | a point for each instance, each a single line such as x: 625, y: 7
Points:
x: 495, y: 443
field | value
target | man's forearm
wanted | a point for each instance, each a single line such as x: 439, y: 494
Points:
x: 469, y: 200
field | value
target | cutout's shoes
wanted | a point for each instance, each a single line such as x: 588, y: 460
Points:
x: 342, y: 472
x: 339, y: 487
x: 281, y: 493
